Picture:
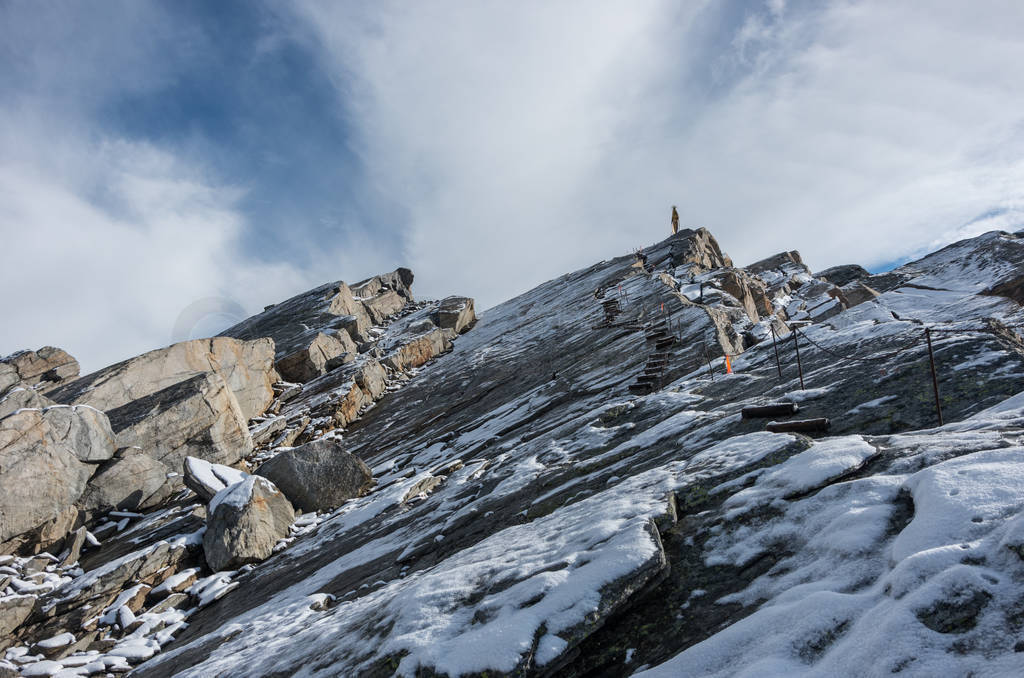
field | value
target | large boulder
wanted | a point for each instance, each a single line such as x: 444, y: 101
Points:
x: 198, y: 417
x: 247, y: 367
x: 456, y: 313
x: 46, y: 458
x: 245, y: 521
x: 49, y: 366
x: 318, y: 475
x: 310, y: 361
x: 131, y: 481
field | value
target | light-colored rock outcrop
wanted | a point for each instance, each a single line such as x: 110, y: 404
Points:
x: 132, y: 481
x: 372, y: 378
x: 46, y: 458
x: 245, y: 366
x: 399, y: 280
x: 384, y: 305
x: 318, y: 475
x: 49, y: 366
x: 420, y: 350
x: 198, y: 417
x: 310, y: 361
x: 8, y: 377
x: 20, y: 398
x: 697, y: 249
x: 246, y: 520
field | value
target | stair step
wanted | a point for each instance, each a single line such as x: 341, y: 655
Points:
x: 640, y: 388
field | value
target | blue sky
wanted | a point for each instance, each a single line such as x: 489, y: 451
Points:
x: 158, y: 159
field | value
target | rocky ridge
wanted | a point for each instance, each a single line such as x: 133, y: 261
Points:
x: 135, y: 482
x: 578, y: 487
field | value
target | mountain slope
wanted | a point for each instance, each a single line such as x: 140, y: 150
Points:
x: 532, y: 515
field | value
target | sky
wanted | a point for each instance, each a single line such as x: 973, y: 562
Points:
x: 170, y: 167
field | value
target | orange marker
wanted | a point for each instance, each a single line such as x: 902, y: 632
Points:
x: 728, y: 365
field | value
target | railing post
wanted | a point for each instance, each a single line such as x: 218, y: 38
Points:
x: 799, y: 365
x: 776, y: 347
x: 711, y: 370
x: 935, y: 379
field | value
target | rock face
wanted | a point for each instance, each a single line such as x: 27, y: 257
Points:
x: 456, y: 313
x: 46, y: 459
x: 841, y: 276
x: 21, y: 398
x: 317, y: 330
x: 319, y: 475
x: 197, y: 417
x: 420, y: 350
x: 13, y: 611
x: 399, y: 280
x: 526, y: 497
x: 246, y: 520
x: 311, y: 361
x: 8, y: 377
x: 131, y: 482
x: 246, y: 367
x: 782, y: 260
x: 48, y: 366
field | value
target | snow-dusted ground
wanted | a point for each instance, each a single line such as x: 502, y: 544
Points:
x: 532, y: 516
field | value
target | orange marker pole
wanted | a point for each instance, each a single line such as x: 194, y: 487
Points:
x: 728, y: 365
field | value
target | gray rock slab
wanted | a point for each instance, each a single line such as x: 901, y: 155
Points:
x: 318, y: 475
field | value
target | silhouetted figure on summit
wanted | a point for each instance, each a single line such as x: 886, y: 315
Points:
x: 675, y: 220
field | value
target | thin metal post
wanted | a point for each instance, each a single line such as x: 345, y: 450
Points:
x: 776, y: 347
x: 711, y: 370
x: 935, y: 379
x: 799, y: 365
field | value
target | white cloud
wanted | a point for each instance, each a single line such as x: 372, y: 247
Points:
x: 525, y: 140
x: 106, y: 278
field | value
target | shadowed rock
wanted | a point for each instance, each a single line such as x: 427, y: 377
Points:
x: 134, y: 481
x: 198, y: 417
x: 318, y: 475
x: 843, y: 275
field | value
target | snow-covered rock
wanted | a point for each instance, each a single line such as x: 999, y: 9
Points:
x: 245, y: 521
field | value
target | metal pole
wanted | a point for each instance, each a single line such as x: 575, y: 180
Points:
x: 708, y: 358
x: 776, y: 347
x: 935, y: 379
x: 799, y: 365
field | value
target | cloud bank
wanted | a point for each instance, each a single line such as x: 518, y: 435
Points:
x: 152, y: 156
